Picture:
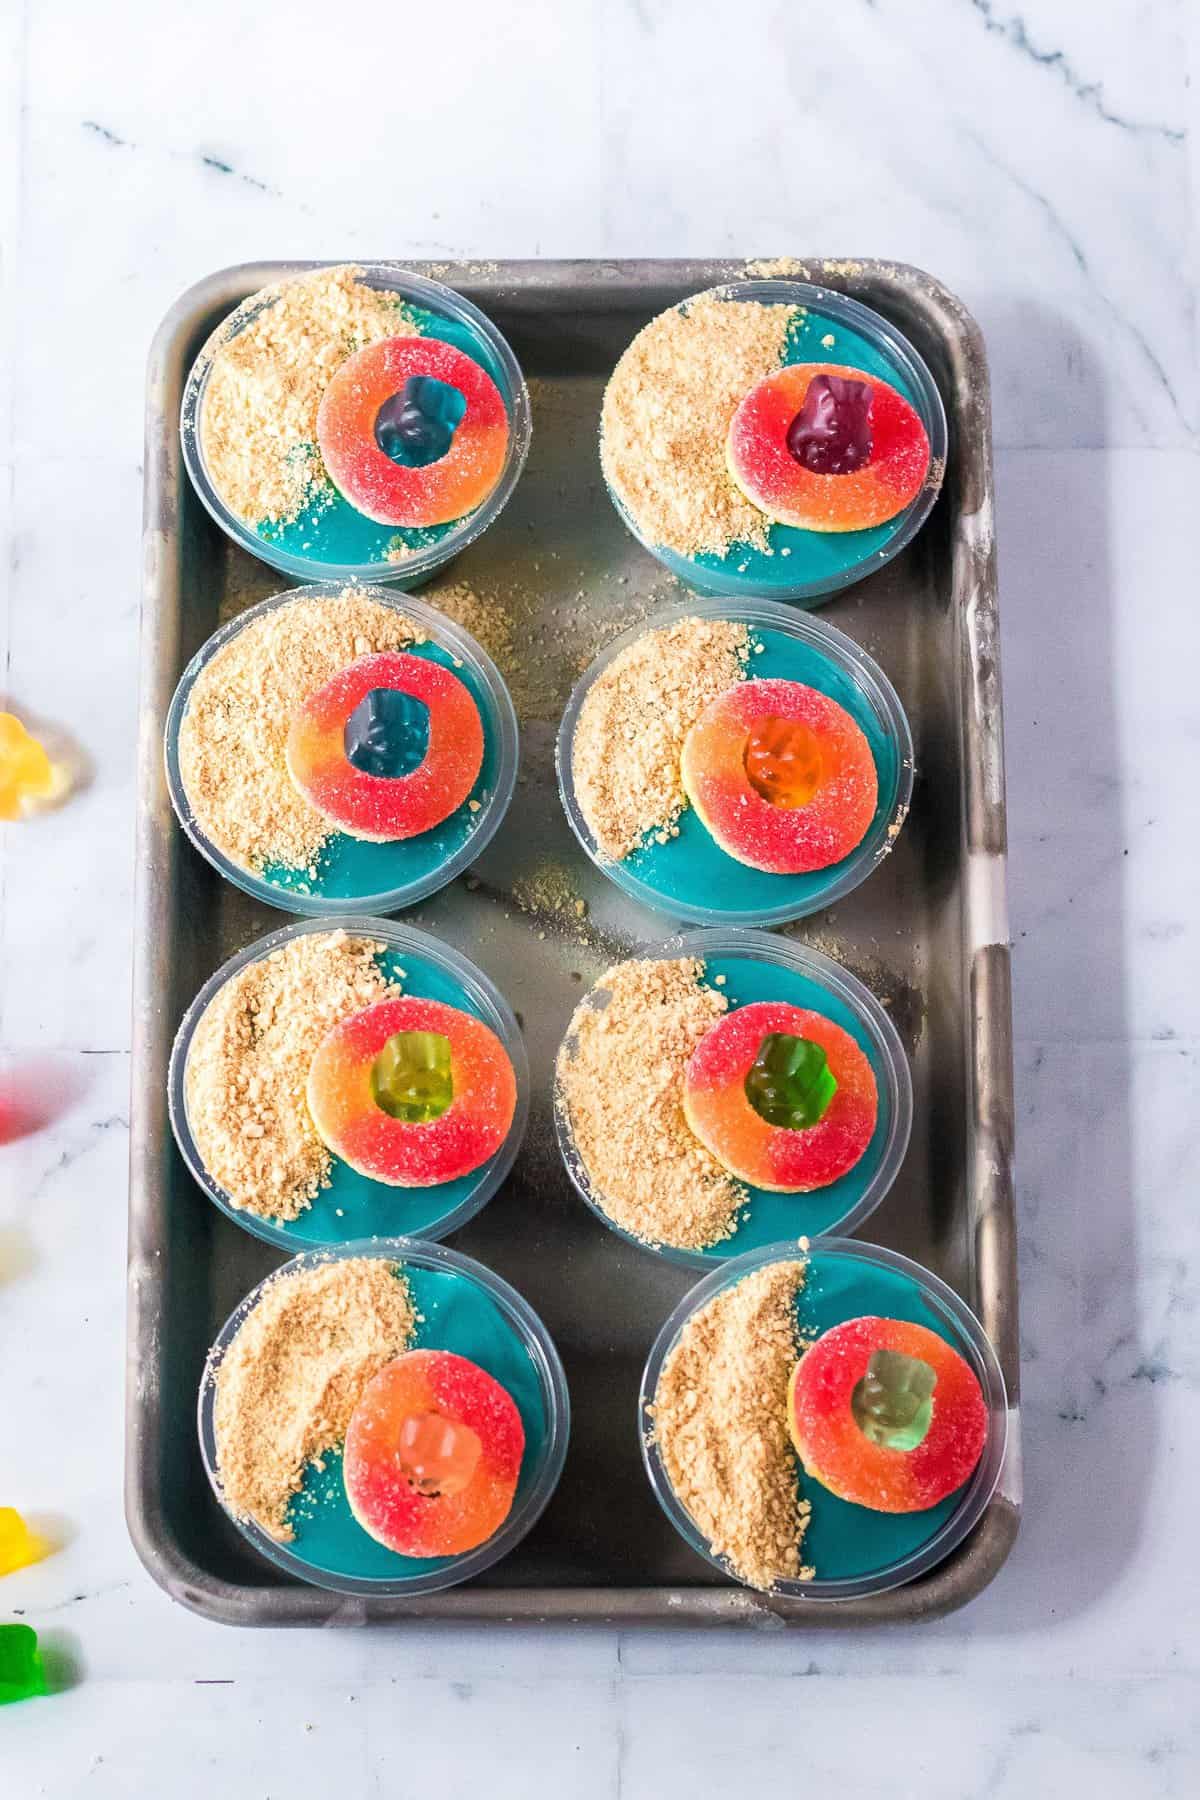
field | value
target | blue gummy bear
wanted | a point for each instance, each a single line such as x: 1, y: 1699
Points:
x: 387, y: 734
x: 416, y: 426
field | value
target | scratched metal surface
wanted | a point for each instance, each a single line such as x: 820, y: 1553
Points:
x: 928, y: 931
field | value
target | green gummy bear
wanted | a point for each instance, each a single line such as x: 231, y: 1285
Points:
x: 411, y: 1079
x: 893, y: 1403
x: 21, y: 1673
x: 790, y: 1082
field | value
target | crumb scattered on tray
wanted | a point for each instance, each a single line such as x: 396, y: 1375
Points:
x: 776, y: 268
x: 631, y: 727
x: 294, y: 1373
x: 720, y: 1422
x: 620, y: 1079
x: 248, y: 1065
x: 666, y: 414
x: 234, y: 732
x: 258, y: 416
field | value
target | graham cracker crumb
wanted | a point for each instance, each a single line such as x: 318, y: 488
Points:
x: 294, y: 1373
x: 629, y: 736
x: 244, y: 1083
x: 776, y: 268
x: 548, y: 892
x: 620, y: 1081
x: 258, y: 415
x: 666, y: 414
x: 234, y: 732
x: 720, y: 1422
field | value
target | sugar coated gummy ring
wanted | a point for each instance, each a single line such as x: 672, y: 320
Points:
x: 827, y: 448
x: 885, y: 1414
x: 442, y: 418
x: 781, y: 775
x: 412, y: 1092
x: 362, y: 713
x: 433, y: 1452
x: 746, y: 1075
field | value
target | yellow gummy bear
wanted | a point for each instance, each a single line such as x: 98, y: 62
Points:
x: 18, y: 1545
x: 26, y: 772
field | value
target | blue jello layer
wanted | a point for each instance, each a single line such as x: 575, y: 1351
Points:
x: 690, y: 876
x: 455, y: 1314
x: 844, y: 1541
x: 351, y: 869
x: 332, y: 532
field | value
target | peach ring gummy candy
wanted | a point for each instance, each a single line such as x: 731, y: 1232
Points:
x: 433, y: 1453
x: 412, y: 1092
x: 388, y: 748
x: 781, y: 1096
x: 886, y: 1414
x: 827, y: 448
x: 413, y: 432
x: 781, y: 775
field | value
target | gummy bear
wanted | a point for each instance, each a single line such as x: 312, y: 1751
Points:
x: 893, y: 1403
x: 782, y: 760
x: 18, y: 1545
x: 26, y: 772
x: 437, y: 1455
x: 387, y: 734
x: 831, y: 434
x: 790, y: 1083
x: 416, y: 426
x: 21, y: 1672
x: 411, y: 1079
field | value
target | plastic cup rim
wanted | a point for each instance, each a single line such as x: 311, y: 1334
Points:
x: 437, y: 297
x: 849, y: 658
x: 502, y: 724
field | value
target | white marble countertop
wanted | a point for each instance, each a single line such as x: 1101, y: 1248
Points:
x: 1040, y: 162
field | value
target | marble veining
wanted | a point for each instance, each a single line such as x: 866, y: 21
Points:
x: 1041, y: 159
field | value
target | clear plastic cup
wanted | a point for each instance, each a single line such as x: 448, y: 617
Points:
x: 756, y: 966
x: 690, y: 877
x: 466, y: 1309
x: 355, y: 876
x: 865, y: 1552
x: 810, y: 566
x: 358, y: 547
x: 355, y: 1207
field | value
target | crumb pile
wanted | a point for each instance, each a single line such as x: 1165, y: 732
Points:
x: 258, y: 422
x: 620, y: 1078
x: 294, y: 1373
x: 776, y: 268
x: 720, y: 1422
x: 489, y: 621
x: 234, y: 733
x: 631, y: 727
x: 248, y: 1065
x: 666, y: 415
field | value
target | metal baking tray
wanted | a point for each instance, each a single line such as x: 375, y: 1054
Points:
x: 928, y: 931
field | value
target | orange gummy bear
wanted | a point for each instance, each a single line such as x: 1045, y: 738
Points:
x: 783, y: 761
x: 18, y: 1545
x: 26, y: 772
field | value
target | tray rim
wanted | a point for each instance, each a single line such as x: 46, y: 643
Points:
x: 975, y: 1563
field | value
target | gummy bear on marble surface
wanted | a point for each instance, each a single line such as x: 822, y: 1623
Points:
x: 18, y: 1545
x: 26, y: 772
x: 21, y: 1673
